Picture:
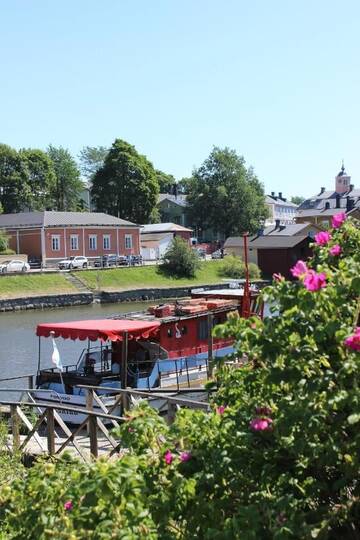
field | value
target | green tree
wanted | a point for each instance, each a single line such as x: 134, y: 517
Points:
x: 225, y: 195
x: 15, y: 194
x: 297, y: 199
x: 68, y: 186
x: 184, y: 185
x: 92, y: 159
x: 126, y: 186
x: 166, y: 182
x: 180, y: 260
x: 41, y: 178
x: 4, y: 241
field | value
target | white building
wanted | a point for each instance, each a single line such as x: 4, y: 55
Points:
x: 280, y: 209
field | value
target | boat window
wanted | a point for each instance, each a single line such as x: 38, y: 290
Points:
x: 202, y: 329
x: 169, y: 332
x: 184, y: 330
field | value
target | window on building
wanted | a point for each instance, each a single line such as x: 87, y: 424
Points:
x: 74, y: 242
x: 106, y: 241
x: 55, y: 242
x: 92, y: 242
x: 128, y: 241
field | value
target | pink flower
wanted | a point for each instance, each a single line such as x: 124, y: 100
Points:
x: 313, y: 281
x: 221, y: 409
x: 261, y: 424
x: 68, y: 506
x: 278, y: 277
x: 338, y: 220
x: 335, y: 250
x: 299, y: 269
x: 168, y: 457
x: 185, y: 456
x: 353, y: 341
x: 322, y: 238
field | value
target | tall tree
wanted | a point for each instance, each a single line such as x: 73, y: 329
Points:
x: 226, y: 196
x: 126, y: 186
x: 166, y: 181
x: 14, y: 188
x: 92, y: 159
x: 297, y: 199
x: 68, y: 186
x: 41, y: 178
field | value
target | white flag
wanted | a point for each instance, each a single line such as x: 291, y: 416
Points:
x: 55, y: 358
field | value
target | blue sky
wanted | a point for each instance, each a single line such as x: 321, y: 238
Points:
x: 279, y: 81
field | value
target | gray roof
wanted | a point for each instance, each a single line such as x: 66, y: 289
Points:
x: 284, y: 231
x: 178, y: 199
x: 156, y: 237
x: 163, y: 227
x: 276, y: 242
x: 270, y: 199
x: 61, y: 219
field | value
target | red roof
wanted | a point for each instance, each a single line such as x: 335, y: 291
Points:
x: 103, y: 329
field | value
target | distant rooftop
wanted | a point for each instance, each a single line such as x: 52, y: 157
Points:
x: 163, y: 227
x: 177, y: 199
x: 61, y: 219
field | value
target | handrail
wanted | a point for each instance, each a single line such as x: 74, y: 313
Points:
x: 64, y: 408
x: 18, y: 377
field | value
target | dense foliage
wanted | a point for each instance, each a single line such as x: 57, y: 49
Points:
x: 234, y: 267
x: 126, y: 185
x: 278, y: 456
x: 68, y: 185
x: 91, y: 160
x: 226, y: 196
x: 180, y: 260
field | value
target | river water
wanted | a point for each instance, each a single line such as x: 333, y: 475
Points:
x: 19, y: 343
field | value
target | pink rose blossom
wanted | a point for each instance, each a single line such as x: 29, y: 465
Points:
x: 261, y: 424
x: 335, y: 250
x: 168, y: 457
x: 313, y: 281
x: 322, y: 238
x: 185, y: 456
x: 221, y: 409
x: 353, y: 341
x: 338, y: 220
x: 68, y: 506
x: 299, y: 269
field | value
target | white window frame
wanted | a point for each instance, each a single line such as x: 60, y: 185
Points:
x: 106, y: 242
x: 55, y: 242
x: 74, y: 238
x: 128, y: 241
x: 92, y: 242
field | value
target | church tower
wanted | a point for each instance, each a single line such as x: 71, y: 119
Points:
x: 342, y: 181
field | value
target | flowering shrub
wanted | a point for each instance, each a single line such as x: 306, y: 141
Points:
x: 277, y: 458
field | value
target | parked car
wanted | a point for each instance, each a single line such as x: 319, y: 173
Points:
x: 73, y: 262
x: 14, y: 266
x: 34, y: 262
x: 218, y: 254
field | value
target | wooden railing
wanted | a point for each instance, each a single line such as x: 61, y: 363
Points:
x: 49, y: 414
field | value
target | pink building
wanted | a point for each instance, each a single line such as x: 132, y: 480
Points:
x: 52, y: 236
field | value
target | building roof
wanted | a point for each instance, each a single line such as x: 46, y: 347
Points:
x: 155, y: 237
x: 61, y: 219
x: 163, y: 227
x: 176, y: 199
x: 276, y: 242
x: 291, y: 230
x: 273, y: 199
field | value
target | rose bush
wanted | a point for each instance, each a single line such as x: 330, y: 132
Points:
x: 278, y: 456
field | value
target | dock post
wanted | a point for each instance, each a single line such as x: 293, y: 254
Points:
x: 50, y: 431
x: 15, y: 427
x: 89, y: 406
x: 171, y: 412
x: 210, y: 346
x: 31, y: 382
x: 93, y: 436
x: 124, y: 368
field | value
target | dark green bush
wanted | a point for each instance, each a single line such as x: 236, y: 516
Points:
x: 180, y: 260
x: 234, y: 267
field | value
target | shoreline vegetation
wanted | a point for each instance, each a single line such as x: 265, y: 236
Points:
x: 107, y: 280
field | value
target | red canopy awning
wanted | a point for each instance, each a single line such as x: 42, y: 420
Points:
x: 104, y: 329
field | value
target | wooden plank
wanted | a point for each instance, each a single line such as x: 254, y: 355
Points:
x: 30, y: 427
x: 67, y: 432
x: 93, y: 436
x: 104, y: 409
x: 33, y: 430
x: 106, y: 432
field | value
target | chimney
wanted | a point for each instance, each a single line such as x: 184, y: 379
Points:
x: 277, y: 224
x: 351, y: 187
x: 349, y: 204
x: 280, y: 195
x: 273, y: 193
x: 322, y: 190
x: 338, y: 198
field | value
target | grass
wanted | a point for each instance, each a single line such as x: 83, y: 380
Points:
x: 140, y: 277
x: 34, y: 285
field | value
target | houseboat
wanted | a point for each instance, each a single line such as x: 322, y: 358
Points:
x: 167, y: 346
